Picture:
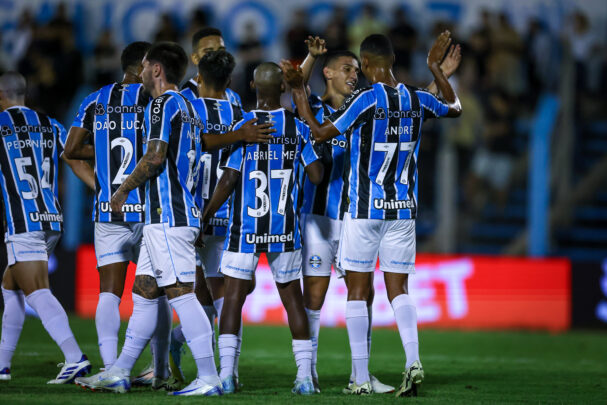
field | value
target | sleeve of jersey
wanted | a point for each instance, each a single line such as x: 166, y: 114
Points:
x: 234, y: 158
x: 159, y: 117
x: 61, y: 136
x: 434, y: 107
x: 308, y: 154
x: 86, y: 113
x: 354, y: 107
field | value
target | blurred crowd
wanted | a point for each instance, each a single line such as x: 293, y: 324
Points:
x: 503, y: 72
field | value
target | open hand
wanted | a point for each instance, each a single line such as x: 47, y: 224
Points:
x: 252, y: 133
x: 452, y: 60
x: 439, y: 48
x: 316, y: 46
x: 293, y: 77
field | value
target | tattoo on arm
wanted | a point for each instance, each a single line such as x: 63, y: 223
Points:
x: 146, y: 287
x: 147, y: 166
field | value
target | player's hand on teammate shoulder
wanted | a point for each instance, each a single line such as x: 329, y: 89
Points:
x: 316, y: 46
x: 440, y: 46
x: 293, y: 77
x: 256, y: 133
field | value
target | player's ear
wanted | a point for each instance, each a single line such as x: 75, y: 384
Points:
x: 195, y: 58
x: 327, y: 73
x: 252, y: 84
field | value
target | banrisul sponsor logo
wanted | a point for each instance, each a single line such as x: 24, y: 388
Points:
x: 253, y: 238
x: 381, y: 204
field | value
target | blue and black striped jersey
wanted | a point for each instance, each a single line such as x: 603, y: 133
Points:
x: 383, y: 153
x: 264, y: 213
x: 217, y: 117
x: 31, y: 143
x: 169, y: 196
x: 329, y: 197
x: 114, y: 116
x: 190, y: 91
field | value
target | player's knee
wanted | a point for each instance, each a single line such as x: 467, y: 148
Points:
x: 313, y: 299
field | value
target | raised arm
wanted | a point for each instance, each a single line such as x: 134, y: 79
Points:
x: 225, y: 188
x: 249, y: 132
x: 434, y: 57
x: 75, y: 148
x: 146, y: 168
x: 316, y: 48
x: 294, y: 78
x: 449, y: 66
x: 82, y: 170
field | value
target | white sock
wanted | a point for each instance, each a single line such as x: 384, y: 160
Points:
x: 314, y: 324
x: 197, y: 331
x: 142, y: 326
x: 12, y: 323
x: 161, y: 339
x: 406, y: 319
x: 107, y: 321
x: 302, y: 349
x: 370, y: 313
x: 177, y: 334
x: 357, y: 322
x: 238, y: 345
x: 209, y: 310
x: 227, y: 352
x: 55, y: 322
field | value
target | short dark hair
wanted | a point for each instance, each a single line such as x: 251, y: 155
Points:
x: 333, y: 55
x: 133, y: 54
x: 173, y: 59
x: 216, y: 67
x: 377, y: 44
x: 204, y: 32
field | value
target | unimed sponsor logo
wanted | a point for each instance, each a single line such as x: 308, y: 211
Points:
x: 254, y: 238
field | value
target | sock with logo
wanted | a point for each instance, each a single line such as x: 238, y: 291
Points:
x: 55, y: 322
x: 12, y: 323
x: 406, y: 320
x: 357, y: 323
x: 314, y: 324
x: 197, y: 331
x: 140, y: 330
x: 107, y: 321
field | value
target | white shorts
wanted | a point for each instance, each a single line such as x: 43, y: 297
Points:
x: 285, y: 266
x: 31, y: 246
x: 320, y: 242
x: 363, y: 239
x: 168, y: 254
x: 209, y: 257
x: 117, y: 242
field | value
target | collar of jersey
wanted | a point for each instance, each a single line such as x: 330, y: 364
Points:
x: 16, y: 106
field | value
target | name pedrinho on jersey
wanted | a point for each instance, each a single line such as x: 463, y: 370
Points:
x: 190, y: 91
x: 383, y: 152
x: 263, y: 208
x: 31, y: 143
x: 114, y: 116
x: 329, y: 197
x: 169, y: 196
x: 217, y: 117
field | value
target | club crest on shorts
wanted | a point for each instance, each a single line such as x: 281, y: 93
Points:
x: 315, y: 261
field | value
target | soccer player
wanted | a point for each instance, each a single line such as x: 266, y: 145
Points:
x: 113, y: 116
x: 30, y: 144
x: 218, y: 116
x: 167, y: 259
x: 324, y: 205
x: 203, y: 41
x: 263, y: 218
x: 382, y: 191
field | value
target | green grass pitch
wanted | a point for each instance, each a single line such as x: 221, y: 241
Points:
x: 460, y: 367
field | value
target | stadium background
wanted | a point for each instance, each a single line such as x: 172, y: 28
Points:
x: 529, y: 253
